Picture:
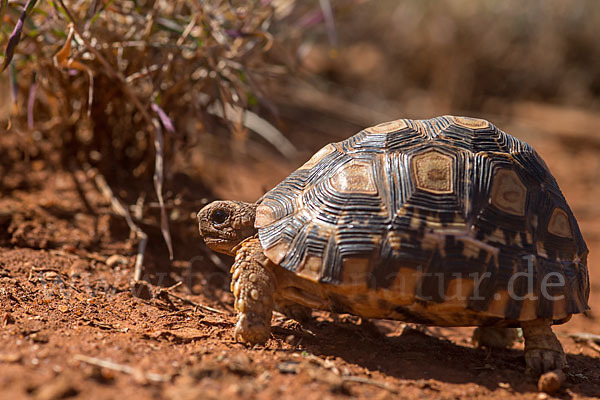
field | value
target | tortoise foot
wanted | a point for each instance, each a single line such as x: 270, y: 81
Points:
x: 252, y: 329
x: 543, y: 351
x: 539, y: 361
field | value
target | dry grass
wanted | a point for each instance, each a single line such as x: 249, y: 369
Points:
x: 117, y: 88
x: 93, y: 79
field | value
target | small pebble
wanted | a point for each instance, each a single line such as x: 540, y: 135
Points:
x: 39, y: 337
x: 290, y: 339
x: 10, y: 358
x: 240, y: 364
x: 141, y: 290
x: 51, y: 276
x: 59, y: 388
x: 551, y: 382
x: 78, y: 267
x: 115, y: 260
x: 288, y: 367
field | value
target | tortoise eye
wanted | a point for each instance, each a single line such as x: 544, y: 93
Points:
x: 219, y: 216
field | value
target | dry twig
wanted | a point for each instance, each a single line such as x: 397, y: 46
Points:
x: 188, y: 301
x: 584, y: 337
x: 281, y: 330
x: 359, y: 379
x: 257, y: 124
x: 158, y: 180
x: 139, y: 374
x: 591, y: 340
x: 58, y: 277
x: 118, y: 207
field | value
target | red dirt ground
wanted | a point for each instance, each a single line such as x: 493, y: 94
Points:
x: 71, y: 328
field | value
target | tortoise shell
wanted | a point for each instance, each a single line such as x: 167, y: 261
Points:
x: 424, y: 212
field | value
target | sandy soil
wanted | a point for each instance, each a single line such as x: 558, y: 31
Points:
x: 70, y: 326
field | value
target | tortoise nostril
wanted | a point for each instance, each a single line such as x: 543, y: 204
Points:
x: 219, y: 216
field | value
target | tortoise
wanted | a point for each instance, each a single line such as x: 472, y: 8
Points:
x: 448, y: 221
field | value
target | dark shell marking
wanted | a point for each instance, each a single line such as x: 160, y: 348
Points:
x: 429, y: 221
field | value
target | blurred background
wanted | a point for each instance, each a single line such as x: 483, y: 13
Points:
x: 173, y: 104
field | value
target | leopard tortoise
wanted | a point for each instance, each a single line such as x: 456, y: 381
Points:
x: 447, y: 221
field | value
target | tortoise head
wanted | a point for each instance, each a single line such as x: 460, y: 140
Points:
x: 225, y: 224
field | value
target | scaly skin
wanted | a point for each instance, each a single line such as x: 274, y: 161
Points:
x: 253, y: 286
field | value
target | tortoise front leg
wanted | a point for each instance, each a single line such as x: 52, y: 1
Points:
x: 253, y: 286
x: 543, y: 351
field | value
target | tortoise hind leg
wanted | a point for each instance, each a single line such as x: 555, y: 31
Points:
x: 494, y: 337
x: 293, y: 310
x: 253, y: 286
x: 543, y: 351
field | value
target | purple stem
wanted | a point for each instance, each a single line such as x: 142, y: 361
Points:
x: 31, y: 102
